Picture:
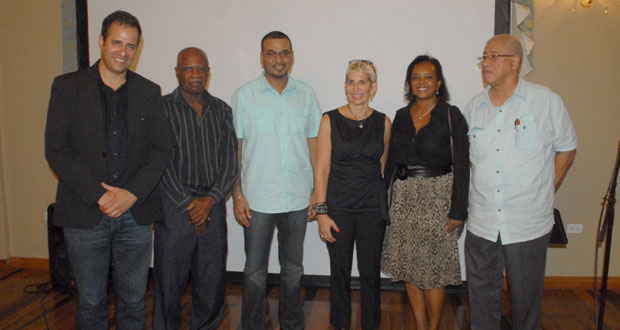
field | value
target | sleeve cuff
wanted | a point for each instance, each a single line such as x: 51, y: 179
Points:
x: 216, y: 194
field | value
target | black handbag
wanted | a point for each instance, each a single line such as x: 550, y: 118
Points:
x: 558, y: 234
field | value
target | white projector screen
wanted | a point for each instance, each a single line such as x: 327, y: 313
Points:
x: 325, y: 35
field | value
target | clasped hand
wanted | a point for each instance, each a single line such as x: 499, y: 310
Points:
x: 199, y: 209
x: 115, y: 201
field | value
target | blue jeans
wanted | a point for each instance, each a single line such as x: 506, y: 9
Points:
x: 291, y: 234
x: 89, y: 250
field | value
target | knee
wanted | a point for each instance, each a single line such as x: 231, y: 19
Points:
x: 291, y: 270
x: 132, y: 296
x: 255, y: 274
x: 90, y: 301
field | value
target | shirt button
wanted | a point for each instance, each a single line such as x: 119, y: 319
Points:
x: 496, y: 171
x: 497, y: 190
x: 115, y: 176
x: 499, y: 130
x: 500, y: 110
x: 497, y: 150
x: 114, y: 133
x: 115, y: 154
x: 499, y: 210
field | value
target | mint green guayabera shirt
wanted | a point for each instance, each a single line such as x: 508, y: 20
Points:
x: 512, y: 152
x: 276, y: 173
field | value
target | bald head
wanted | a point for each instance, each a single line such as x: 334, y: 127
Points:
x: 192, y: 51
x: 509, y: 43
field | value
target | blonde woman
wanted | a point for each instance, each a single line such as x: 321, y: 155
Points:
x: 352, y: 209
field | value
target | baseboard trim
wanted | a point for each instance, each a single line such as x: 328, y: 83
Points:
x: 551, y: 282
x: 28, y: 263
x: 579, y: 282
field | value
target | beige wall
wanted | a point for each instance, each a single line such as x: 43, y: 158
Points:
x: 4, y: 230
x: 575, y: 55
x: 30, y: 57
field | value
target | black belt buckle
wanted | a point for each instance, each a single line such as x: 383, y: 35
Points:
x: 402, y: 172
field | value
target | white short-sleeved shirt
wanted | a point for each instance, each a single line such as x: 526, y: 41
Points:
x: 276, y: 173
x: 512, y: 155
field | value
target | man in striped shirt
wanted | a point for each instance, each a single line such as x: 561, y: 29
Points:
x: 193, y: 235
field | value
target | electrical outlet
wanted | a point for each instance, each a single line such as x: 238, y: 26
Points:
x: 574, y: 228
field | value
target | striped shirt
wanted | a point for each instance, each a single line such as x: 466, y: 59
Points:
x: 204, y: 156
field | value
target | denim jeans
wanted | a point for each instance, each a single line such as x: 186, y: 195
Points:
x: 258, y: 236
x: 89, y: 250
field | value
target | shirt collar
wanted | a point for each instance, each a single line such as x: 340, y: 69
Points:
x: 520, y: 91
x: 266, y: 86
x: 128, y: 76
x: 179, y: 99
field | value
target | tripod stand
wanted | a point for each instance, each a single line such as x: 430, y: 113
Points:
x: 605, y: 234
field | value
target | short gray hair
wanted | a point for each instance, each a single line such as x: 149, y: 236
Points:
x: 511, y: 42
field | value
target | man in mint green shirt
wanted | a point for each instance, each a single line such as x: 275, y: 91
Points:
x: 276, y: 121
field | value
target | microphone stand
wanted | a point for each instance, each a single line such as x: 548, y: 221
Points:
x: 605, y: 234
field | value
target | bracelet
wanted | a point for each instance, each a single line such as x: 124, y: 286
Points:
x: 320, y: 208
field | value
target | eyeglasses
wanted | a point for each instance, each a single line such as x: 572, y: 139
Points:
x: 493, y: 57
x: 358, y: 60
x: 272, y: 54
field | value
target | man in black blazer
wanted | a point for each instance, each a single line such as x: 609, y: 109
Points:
x: 108, y: 141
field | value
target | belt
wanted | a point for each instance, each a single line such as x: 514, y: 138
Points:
x: 423, y: 171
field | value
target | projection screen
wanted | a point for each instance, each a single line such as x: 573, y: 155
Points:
x: 325, y: 35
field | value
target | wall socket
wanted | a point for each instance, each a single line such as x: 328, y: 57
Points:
x: 574, y: 228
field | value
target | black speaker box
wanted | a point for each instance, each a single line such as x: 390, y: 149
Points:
x: 60, y: 268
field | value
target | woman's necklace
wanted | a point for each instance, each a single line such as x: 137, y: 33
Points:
x: 427, y: 112
x: 360, y: 122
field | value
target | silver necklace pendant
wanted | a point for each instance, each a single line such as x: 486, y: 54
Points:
x: 361, y: 125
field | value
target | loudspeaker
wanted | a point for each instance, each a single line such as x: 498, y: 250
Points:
x: 60, y: 268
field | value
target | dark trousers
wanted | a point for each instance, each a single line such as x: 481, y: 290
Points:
x: 525, y: 270
x: 179, y: 252
x: 366, y: 233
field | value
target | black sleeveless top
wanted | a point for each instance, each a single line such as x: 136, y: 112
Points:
x: 355, y: 184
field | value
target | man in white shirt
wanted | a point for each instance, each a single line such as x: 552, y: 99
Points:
x: 522, y: 144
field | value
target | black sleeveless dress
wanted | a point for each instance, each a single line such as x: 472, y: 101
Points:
x: 355, y: 184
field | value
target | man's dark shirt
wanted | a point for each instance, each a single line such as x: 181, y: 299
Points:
x: 204, y: 156
x: 115, y: 107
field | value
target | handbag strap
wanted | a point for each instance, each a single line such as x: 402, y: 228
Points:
x: 451, y: 140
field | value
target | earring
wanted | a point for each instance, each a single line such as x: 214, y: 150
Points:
x: 437, y: 92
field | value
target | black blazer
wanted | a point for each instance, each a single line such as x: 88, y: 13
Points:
x: 75, y: 147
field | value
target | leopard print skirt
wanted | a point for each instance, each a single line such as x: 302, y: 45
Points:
x: 417, y: 248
